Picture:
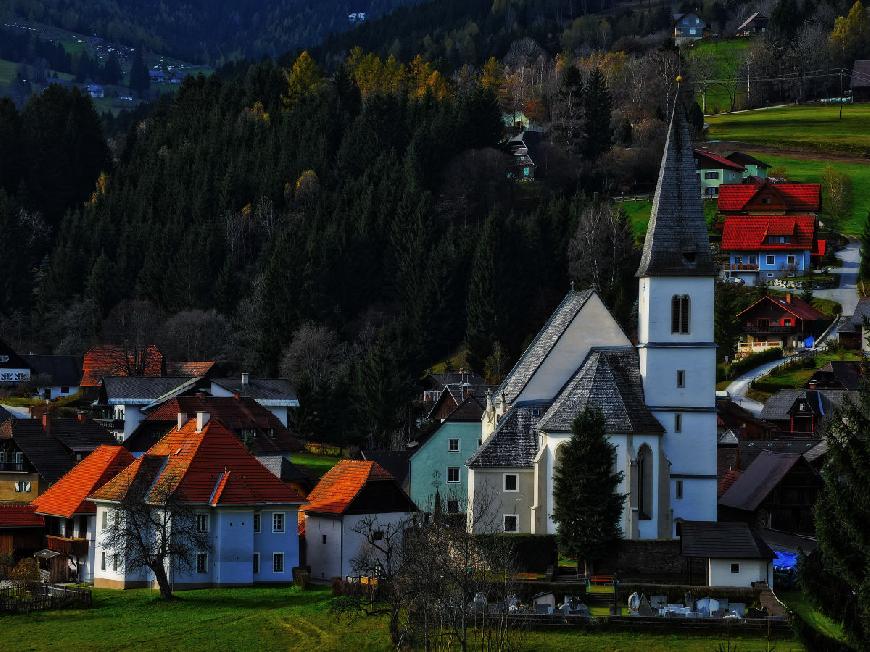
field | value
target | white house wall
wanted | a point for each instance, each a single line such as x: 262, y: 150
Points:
x: 354, y: 542
x: 323, y: 556
x: 751, y: 570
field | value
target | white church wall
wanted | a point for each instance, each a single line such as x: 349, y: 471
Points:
x: 698, y: 369
x: 654, y: 309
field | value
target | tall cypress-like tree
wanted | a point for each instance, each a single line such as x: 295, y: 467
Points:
x: 587, y: 506
x: 598, y: 105
x: 568, y: 119
x: 482, y: 306
x: 140, y: 82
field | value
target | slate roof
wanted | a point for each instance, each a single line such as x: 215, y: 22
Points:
x: 470, y: 410
x: 209, y: 467
x: 821, y: 402
x: 758, y: 480
x: 68, y: 496
x: 749, y: 232
x: 396, y: 463
x: 793, y: 197
x: 286, y: 471
x: 346, y: 482
x: 189, y: 368
x: 608, y: 379
x: 267, y: 391
x: 750, y: 450
x: 62, y: 370
x: 13, y: 516
x: 744, y: 159
x: 514, y: 443
x: 677, y: 243
x: 111, y: 360
x: 141, y: 390
x: 532, y: 358
x: 721, y: 540
x: 861, y: 313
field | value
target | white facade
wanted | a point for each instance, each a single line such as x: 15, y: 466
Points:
x: 739, y: 572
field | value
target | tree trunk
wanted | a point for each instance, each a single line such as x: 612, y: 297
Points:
x: 162, y: 580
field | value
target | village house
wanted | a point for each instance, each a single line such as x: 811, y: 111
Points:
x: 753, y: 168
x: 36, y: 453
x: 657, y: 397
x: 333, y: 522
x: 248, y: 514
x: 21, y: 530
x: 111, y: 360
x: 776, y: 321
x: 457, y: 383
x: 275, y: 394
x: 451, y: 397
x: 767, y: 198
x: 13, y: 369
x: 714, y: 170
x: 764, y: 248
x: 688, y: 27
x: 854, y: 331
x: 437, y: 463
x: 803, y: 412
x: 524, y: 149
x: 54, y: 376
x: 70, y: 517
x: 756, y: 24
x: 734, y: 554
x: 125, y: 398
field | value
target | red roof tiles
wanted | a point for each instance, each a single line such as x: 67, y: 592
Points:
x: 208, y: 467
x: 111, y: 360
x: 712, y: 160
x: 750, y: 232
x: 16, y: 516
x: 791, y: 304
x: 770, y: 197
x: 341, y: 484
x: 68, y: 496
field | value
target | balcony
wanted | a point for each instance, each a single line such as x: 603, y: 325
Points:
x: 768, y: 328
x: 69, y: 546
x: 741, y: 267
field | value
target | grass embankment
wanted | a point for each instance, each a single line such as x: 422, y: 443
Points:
x: 726, y: 56
x: 638, y: 213
x: 316, y: 465
x: 277, y: 619
x: 797, y: 602
x: 795, y: 374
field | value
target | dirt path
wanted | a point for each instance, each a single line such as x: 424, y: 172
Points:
x: 793, y: 152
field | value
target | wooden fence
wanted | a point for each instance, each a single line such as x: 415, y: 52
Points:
x: 41, y: 597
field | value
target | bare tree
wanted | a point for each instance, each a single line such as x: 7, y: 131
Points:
x: 196, y: 335
x: 151, y: 528
x: 132, y: 325
x: 316, y: 358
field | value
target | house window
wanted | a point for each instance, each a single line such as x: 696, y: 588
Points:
x: 679, y: 490
x: 19, y: 457
x: 256, y: 561
x: 753, y: 260
x: 711, y: 175
x: 202, y: 522
x: 770, y: 260
x: 680, y: 313
x: 323, y: 540
x: 511, y: 482
x: 678, y: 422
x: 789, y: 260
x: 510, y: 522
x: 22, y: 487
x: 452, y: 474
x: 105, y: 521
x: 763, y: 324
x: 278, y: 522
x: 786, y: 321
x: 257, y: 522
x: 453, y: 445
x: 278, y: 562
x: 452, y: 506
x: 2, y: 457
x: 681, y: 377
x: 735, y: 568
x: 64, y: 390
x: 103, y: 560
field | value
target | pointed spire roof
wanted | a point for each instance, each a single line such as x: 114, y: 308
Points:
x: 676, y: 242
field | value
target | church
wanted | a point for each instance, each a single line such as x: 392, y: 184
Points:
x: 657, y: 396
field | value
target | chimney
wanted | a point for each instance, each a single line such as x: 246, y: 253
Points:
x: 201, y: 420
x: 46, y: 422
x: 788, y: 297
x: 181, y: 419
x: 245, y: 377
x: 80, y: 416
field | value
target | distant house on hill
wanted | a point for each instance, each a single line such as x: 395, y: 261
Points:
x: 753, y: 167
x: 715, y: 170
x: 54, y: 376
x: 782, y: 322
x: 688, y: 27
x: 95, y: 90
x: 756, y: 24
x: 861, y: 80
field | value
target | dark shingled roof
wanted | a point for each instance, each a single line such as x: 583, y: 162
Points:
x: 745, y: 159
x: 63, y: 370
x: 142, y: 389
x: 514, y: 443
x: 749, y: 450
x: 396, y: 463
x: 260, y: 389
x: 862, y: 312
x: 608, y: 379
x: 544, y: 341
x: 470, y: 410
x: 722, y: 540
x: 284, y: 469
x: 758, y: 480
x: 676, y: 242
x: 821, y: 402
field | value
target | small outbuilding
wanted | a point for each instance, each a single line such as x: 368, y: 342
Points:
x: 734, y: 554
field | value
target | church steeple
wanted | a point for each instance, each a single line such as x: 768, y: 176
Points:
x: 676, y: 242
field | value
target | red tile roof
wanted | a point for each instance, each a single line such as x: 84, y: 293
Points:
x: 341, y: 484
x: 15, y: 516
x: 766, y: 196
x: 712, y: 160
x: 192, y: 369
x: 791, y: 304
x: 209, y: 467
x: 748, y: 232
x: 111, y: 360
x: 69, y: 495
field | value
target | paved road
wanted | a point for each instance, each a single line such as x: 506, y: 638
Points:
x: 740, y: 385
x: 847, y: 293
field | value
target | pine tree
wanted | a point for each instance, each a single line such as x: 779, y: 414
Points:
x: 482, y: 306
x: 587, y: 507
x: 598, y: 105
x: 140, y: 82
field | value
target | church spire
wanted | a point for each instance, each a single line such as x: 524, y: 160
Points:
x: 676, y: 242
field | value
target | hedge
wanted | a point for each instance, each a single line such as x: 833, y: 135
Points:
x: 754, y: 360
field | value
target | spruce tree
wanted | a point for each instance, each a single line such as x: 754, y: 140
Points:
x: 587, y: 507
x: 482, y: 306
x: 598, y: 136
x: 140, y: 82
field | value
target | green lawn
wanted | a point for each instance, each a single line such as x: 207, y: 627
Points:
x: 808, y: 126
x: 317, y: 465
x: 638, y: 213
x: 792, y: 377
x: 727, y: 56
x: 798, y: 602
x: 276, y: 619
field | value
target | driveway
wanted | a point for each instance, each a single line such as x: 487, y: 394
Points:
x: 740, y: 385
x: 846, y: 293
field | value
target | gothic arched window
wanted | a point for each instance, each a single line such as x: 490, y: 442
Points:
x: 680, y: 314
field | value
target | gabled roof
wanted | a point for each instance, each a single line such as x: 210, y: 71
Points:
x: 396, y: 463
x: 15, y: 516
x: 111, y: 360
x: 749, y: 450
x: 192, y: 369
x: 68, y: 496
x: 744, y: 159
x: 721, y: 540
x: 209, y: 467
x: 63, y: 370
x: 544, y: 342
x: 266, y: 391
x: 861, y: 312
x: 758, y: 480
x: 345, y: 484
x: 794, y: 306
x: 768, y: 196
x: 140, y: 390
x: 749, y: 232
x: 609, y: 379
x: 9, y: 359
x: 705, y: 160
x: 821, y: 402
x: 677, y: 243
x: 286, y: 471
x: 442, y: 380
x: 469, y: 411
x: 514, y: 443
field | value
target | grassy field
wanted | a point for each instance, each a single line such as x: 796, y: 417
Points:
x: 791, y: 377
x: 796, y: 601
x: 277, y: 619
x: 808, y: 126
x: 727, y: 55
x: 317, y: 465
x: 638, y: 213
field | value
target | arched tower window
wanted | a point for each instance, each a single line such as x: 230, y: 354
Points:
x: 680, y: 314
x: 644, y: 483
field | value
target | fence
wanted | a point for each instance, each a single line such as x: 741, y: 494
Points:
x: 40, y: 597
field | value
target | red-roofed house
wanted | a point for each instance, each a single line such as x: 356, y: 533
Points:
x: 111, y: 360
x: 714, y: 170
x: 786, y: 322
x: 249, y: 514
x: 765, y: 247
x: 349, y: 493
x: 70, y: 516
x: 768, y: 198
x: 21, y: 530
